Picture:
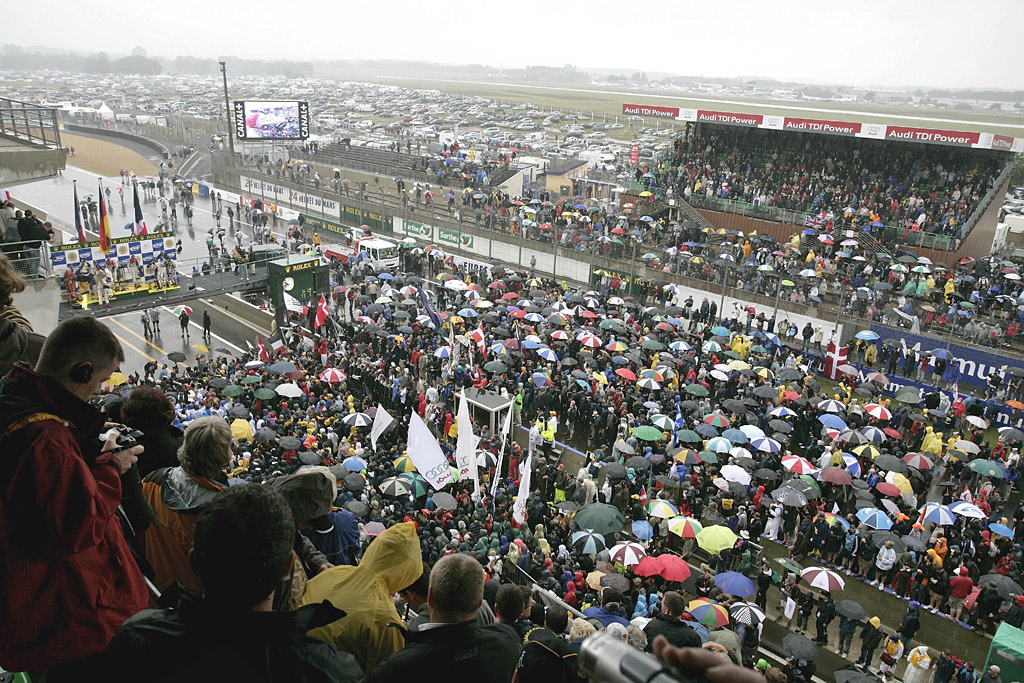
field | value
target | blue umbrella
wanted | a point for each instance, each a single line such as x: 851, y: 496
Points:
x: 620, y: 360
x: 1001, y: 529
x: 735, y: 583
x: 874, y: 518
x: 832, y: 420
x: 942, y: 353
x: 735, y: 436
x: 866, y: 335
x: 354, y: 464
x: 720, y: 331
x: 642, y: 529
x: 873, y: 434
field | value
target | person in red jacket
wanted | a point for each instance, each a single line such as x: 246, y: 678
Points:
x: 959, y: 588
x: 69, y: 579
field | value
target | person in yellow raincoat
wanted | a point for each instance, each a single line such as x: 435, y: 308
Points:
x: 932, y: 441
x: 737, y: 345
x: 746, y: 250
x: 372, y: 630
x: 948, y: 288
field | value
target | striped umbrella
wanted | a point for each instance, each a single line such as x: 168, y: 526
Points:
x: 357, y: 420
x: 782, y: 411
x: 878, y: 411
x: 684, y: 527
x: 662, y: 509
x: 747, y: 613
x: 627, y: 553
x: 709, y: 613
x: 832, y: 406
x: 648, y: 383
x: 417, y: 483
x: 873, y: 434
x: 794, y: 463
x: 937, y: 513
x: 918, y: 461
x: 663, y: 422
x: 396, y: 487
x: 719, y: 445
x: 404, y: 464
x: 965, y: 509
x: 588, y: 542
x: 716, y: 420
x: 332, y: 375
x: 874, y: 518
x: 825, y: 579
x: 766, y: 444
x: 547, y: 354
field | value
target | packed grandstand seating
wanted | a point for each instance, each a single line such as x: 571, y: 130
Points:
x: 908, y: 186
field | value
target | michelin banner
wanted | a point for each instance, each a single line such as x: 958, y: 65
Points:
x: 968, y: 365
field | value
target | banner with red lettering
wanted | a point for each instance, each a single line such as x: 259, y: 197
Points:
x: 650, y: 110
x: 818, y: 126
x: 957, y: 138
x: 730, y: 118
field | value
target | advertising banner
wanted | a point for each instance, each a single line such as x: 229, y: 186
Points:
x: 974, y: 365
x: 447, y: 236
x: 932, y: 135
x: 650, y: 110
x: 271, y: 120
x: 751, y: 120
x: 820, y: 126
x: 634, y: 155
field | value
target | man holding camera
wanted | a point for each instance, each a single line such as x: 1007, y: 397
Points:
x: 69, y: 580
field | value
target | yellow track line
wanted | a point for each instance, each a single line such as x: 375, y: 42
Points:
x: 137, y: 336
x: 133, y: 347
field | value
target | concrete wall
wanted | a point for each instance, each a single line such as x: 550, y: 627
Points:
x: 25, y: 164
x: 39, y: 303
x: 157, y: 147
x: 243, y: 310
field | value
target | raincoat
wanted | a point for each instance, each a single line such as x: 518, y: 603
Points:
x: 932, y: 441
x: 372, y: 630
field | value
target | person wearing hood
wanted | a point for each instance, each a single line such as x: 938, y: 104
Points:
x: 177, y: 496
x: 960, y: 587
x: 932, y: 442
x: 911, y: 623
x: 871, y: 638
x: 372, y: 630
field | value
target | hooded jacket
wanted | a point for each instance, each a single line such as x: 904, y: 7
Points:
x: 932, y: 441
x: 69, y: 580
x: 372, y: 630
x: 177, y: 498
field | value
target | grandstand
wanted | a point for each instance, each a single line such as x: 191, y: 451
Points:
x: 861, y: 179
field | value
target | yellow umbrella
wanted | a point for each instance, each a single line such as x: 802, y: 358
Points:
x: 739, y: 365
x: 116, y: 379
x: 900, y: 482
x: 716, y: 538
x: 241, y: 430
x: 766, y: 373
x: 645, y: 193
x: 200, y: 347
x: 599, y: 376
x: 867, y: 449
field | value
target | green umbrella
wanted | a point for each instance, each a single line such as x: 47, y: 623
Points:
x: 232, y: 390
x: 252, y: 379
x: 600, y: 517
x: 609, y: 323
x: 812, y: 481
x: 495, y: 366
x: 265, y: 393
x: 788, y: 283
x: 908, y: 395
x: 986, y: 468
x: 648, y: 433
x: 417, y: 484
x: 688, y: 435
x: 696, y: 390
x: 400, y: 314
x: 652, y: 345
x: 709, y: 456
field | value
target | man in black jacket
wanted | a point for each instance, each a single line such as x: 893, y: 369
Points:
x: 547, y: 656
x: 249, y: 526
x: 452, y: 642
x: 668, y: 623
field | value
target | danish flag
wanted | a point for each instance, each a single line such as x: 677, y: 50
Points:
x: 321, y: 311
x: 834, y: 357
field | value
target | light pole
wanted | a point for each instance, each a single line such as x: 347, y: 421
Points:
x: 227, y: 109
x: 725, y: 281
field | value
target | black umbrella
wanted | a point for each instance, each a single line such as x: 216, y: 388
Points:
x: 239, y: 413
x: 617, y: 582
x: 289, y: 443
x: 765, y: 474
x: 218, y: 382
x: 800, y: 647
x: 914, y: 543
x: 851, y: 609
x: 264, y: 434
x: 1004, y: 585
x: 854, y: 675
x: 354, y: 482
x: 637, y: 463
x: 176, y: 356
x: 359, y: 509
x: 615, y: 471
x: 861, y: 484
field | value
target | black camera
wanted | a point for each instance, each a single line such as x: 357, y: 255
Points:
x: 125, y: 435
x: 607, y: 659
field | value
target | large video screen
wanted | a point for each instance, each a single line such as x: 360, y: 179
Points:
x: 271, y: 120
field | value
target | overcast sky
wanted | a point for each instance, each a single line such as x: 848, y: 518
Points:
x: 942, y: 43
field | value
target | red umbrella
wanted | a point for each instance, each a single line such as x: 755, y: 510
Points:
x: 892, y: 433
x: 836, y: 476
x: 887, y: 489
x: 509, y: 296
x: 626, y: 373
x: 673, y: 568
x: 917, y: 461
x: 649, y: 566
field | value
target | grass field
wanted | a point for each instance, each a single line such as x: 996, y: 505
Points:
x: 610, y: 100
x: 105, y: 158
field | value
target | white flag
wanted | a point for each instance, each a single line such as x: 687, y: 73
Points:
x: 506, y: 428
x: 519, y: 507
x: 465, y: 447
x: 426, y: 454
x: 381, y: 421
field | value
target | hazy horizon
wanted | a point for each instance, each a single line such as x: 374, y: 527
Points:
x: 866, y: 43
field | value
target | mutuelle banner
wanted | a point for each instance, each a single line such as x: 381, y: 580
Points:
x: 143, y: 247
x: 968, y: 365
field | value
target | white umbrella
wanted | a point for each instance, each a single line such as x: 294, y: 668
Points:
x: 736, y: 473
x: 825, y: 579
x: 752, y: 431
x: 628, y: 553
x: 965, y: 509
x: 291, y: 390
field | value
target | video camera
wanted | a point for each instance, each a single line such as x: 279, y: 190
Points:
x: 608, y: 659
x: 125, y: 435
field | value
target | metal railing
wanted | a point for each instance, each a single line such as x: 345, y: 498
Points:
x: 30, y: 259
x: 29, y: 123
